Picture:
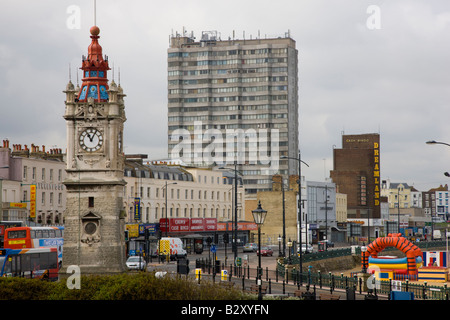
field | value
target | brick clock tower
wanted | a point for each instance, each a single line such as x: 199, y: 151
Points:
x: 95, y: 217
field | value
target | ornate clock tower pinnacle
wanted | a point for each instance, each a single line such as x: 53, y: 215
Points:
x: 95, y: 81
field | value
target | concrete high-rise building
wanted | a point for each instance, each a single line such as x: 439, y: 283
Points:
x: 234, y: 102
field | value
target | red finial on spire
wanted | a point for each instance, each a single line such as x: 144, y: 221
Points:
x: 95, y: 81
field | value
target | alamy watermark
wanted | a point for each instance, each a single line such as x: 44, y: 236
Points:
x: 373, y: 22
x: 74, y: 280
x: 214, y: 146
x: 73, y: 21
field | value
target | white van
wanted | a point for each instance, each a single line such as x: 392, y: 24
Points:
x: 174, y: 246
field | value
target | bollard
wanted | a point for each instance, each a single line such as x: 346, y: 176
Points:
x: 198, y: 274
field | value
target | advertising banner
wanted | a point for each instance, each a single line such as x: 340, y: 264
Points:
x: 188, y: 224
x: 33, y: 201
x: 137, y: 209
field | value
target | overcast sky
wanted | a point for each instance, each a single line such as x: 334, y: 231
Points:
x: 364, y: 67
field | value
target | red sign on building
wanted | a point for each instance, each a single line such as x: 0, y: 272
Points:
x: 188, y: 224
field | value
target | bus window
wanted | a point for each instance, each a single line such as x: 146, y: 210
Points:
x: 32, y: 234
x: 16, y: 234
x: 38, y: 234
x: 51, y: 233
x: 45, y: 234
x: 34, y: 262
x: 52, y: 260
x: 26, y: 262
x: 13, y: 265
x: 8, y: 262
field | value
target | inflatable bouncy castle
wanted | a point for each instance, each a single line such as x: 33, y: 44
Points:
x: 409, y: 265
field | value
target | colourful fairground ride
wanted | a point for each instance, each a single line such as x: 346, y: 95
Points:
x: 406, y: 267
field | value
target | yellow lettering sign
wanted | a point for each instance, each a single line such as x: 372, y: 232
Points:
x: 17, y: 205
x: 16, y: 241
x: 376, y: 173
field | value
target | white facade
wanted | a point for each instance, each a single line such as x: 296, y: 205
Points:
x: 21, y: 168
x: 191, y: 193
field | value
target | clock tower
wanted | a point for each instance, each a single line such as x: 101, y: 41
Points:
x: 94, y: 220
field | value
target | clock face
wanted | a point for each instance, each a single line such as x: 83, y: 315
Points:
x: 91, y: 140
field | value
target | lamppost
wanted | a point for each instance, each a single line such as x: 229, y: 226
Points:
x: 234, y: 244
x: 431, y: 213
x: 283, y: 253
x: 279, y: 246
x: 299, y: 218
x: 363, y: 258
x: 167, y: 221
x: 437, y: 142
x: 259, y: 215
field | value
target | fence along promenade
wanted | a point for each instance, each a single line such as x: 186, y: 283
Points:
x: 283, y: 282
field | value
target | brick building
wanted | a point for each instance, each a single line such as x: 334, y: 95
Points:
x: 356, y: 173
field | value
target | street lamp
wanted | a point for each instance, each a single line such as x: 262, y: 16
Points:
x: 363, y: 258
x: 259, y: 215
x: 300, y: 161
x: 437, y: 142
x: 279, y: 246
x: 234, y: 245
x: 446, y: 174
x: 283, y: 254
x: 167, y: 222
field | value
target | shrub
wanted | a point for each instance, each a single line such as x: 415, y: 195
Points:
x: 137, y: 286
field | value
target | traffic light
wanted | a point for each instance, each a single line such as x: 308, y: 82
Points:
x: 226, y: 238
x: 126, y: 235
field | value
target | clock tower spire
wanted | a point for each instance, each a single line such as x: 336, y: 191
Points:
x: 95, y: 81
x: 94, y: 219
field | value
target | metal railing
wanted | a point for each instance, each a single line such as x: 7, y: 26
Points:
x: 287, y: 281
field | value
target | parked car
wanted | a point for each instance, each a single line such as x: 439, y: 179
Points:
x: 136, y: 262
x: 324, y: 245
x: 307, y: 248
x: 250, y: 247
x: 329, y: 243
x: 265, y: 251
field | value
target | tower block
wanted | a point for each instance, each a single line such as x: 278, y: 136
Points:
x: 95, y: 218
